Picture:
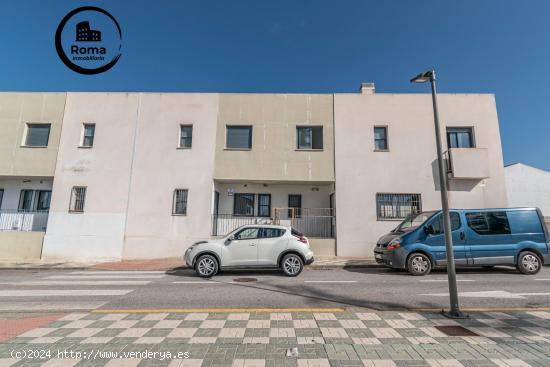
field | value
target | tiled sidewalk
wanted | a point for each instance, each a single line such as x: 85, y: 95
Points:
x: 263, y: 339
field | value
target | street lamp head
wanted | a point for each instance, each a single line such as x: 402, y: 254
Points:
x: 427, y: 76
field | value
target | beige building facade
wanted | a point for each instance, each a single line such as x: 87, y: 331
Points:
x: 145, y: 175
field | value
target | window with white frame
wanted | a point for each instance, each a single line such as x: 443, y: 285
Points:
x: 397, y: 206
x: 88, y: 133
x: 37, y: 135
x: 460, y: 137
x: 186, y: 136
x: 179, y: 206
x: 78, y: 197
x: 380, y: 138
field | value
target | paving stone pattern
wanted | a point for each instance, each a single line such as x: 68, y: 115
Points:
x: 374, y: 339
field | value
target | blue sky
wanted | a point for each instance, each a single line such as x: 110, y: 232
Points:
x: 480, y: 46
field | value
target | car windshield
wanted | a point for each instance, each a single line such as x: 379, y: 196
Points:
x: 413, y: 221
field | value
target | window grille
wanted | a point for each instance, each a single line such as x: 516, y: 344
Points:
x: 397, y: 206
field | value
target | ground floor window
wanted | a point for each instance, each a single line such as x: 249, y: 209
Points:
x: 397, y: 206
x: 78, y: 197
x: 243, y: 205
x: 264, y: 205
x: 179, y: 206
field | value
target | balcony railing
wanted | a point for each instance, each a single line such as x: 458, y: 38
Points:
x: 20, y: 220
x: 312, y: 222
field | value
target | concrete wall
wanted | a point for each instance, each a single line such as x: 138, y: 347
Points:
x: 105, y: 169
x: 274, y: 118
x: 20, y: 245
x: 13, y: 186
x: 528, y: 186
x: 410, y: 165
x: 159, y: 167
x: 130, y: 174
x: 18, y: 109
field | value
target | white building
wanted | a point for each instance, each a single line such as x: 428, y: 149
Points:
x: 528, y: 186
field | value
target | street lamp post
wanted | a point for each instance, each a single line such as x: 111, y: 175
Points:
x: 454, y: 312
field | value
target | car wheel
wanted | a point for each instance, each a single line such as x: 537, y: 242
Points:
x: 419, y: 264
x: 528, y: 263
x: 292, y: 265
x: 206, y: 266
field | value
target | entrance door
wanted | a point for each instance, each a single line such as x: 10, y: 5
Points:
x: 437, y: 240
x: 243, y: 249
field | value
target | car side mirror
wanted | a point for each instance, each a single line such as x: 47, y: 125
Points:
x: 229, y: 239
x: 429, y: 229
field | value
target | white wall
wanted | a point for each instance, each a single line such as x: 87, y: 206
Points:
x: 528, y: 186
x: 13, y: 186
x: 160, y: 167
x: 98, y: 233
x: 130, y: 174
x: 410, y: 164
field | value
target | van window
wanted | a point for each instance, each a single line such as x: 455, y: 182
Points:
x: 488, y: 223
x: 524, y: 221
x: 438, y: 223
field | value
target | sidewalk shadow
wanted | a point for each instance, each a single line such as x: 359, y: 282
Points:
x: 501, y: 270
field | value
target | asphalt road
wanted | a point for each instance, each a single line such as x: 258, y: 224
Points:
x: 377, y: 288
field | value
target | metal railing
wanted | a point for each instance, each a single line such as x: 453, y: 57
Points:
x: 21, y: 220
x: 312, y: 222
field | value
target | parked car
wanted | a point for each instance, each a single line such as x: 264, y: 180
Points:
x: 252, y: 246
x: 481, y: 237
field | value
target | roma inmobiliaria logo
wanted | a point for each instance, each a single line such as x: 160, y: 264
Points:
x: 89, y: 40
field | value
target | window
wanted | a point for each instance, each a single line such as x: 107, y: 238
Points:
x: 437, y: 223
x: 243, y: 205
x: 238, y: 137
x: 247, y: 234
x: 1, y: 197
x: 88, y: 135
x: 397, y: 206
x: 25, y: 200
x: 272, y: 232
x: 309, y: 137
x: 295, y: 203
x: 78, y: 196
x: 264, y: 205
x: 488, y: 223
x: 380, y: 138
x: 179, y: 206
x: 37, y: 135
x: 43, y: 198
x: 460, y: 137
x: 186, y: 136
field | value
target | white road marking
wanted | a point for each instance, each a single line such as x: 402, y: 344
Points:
x: 79, y: 282
x: 330, y: 281
x: 199, y: 282
x: 122, y: 272
x: 49, y: 306
x: 445, y: 280
x: 63, y: 292
x: 544, y: 279
x: 83, y: 277
x: 490, y: 294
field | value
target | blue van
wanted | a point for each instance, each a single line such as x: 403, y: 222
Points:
x: 481, y: 237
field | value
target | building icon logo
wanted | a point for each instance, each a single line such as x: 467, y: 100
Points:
x: 85, y: 34
x: 89, y: 51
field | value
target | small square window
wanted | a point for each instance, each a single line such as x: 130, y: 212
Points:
x: 88, y: 134
x: 186, y: 136
x: 78, y: 197
x: 380, y: 138
x: 37, y: 135
x: 309, y: 138
x: 179, y: 206
x: 460, y: 137
x: 238, y: 137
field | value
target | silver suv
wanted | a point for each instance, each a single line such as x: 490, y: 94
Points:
x: 252, y: 246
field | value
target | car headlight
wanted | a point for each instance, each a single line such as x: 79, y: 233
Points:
x: 395, y: 243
